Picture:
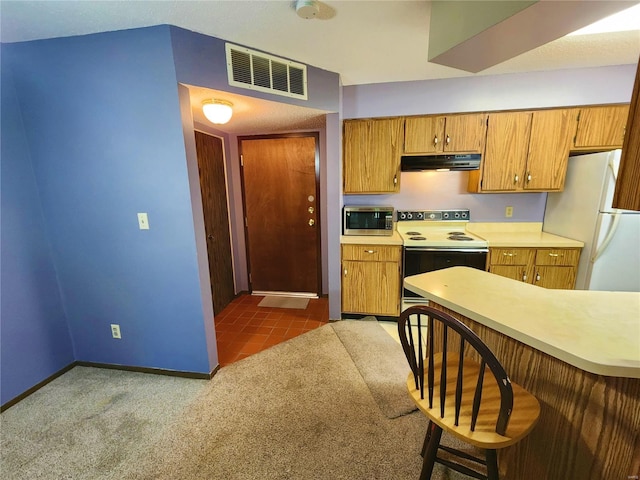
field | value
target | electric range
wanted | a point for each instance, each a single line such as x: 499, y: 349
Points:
x: 436, y: 239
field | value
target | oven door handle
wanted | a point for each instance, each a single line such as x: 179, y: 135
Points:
x: 445, y: 250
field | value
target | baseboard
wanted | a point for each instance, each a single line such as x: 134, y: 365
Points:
x: 155, y: 371
x: 36, y: 387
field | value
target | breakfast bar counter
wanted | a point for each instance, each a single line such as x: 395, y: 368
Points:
x: 577, y: 351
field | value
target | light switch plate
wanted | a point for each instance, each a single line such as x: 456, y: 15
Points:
x: 143, y: 221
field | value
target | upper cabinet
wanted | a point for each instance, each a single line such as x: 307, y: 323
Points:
x: 627, y: 193
x: 372, y: 150
x: 525, y: 152
x: 433, y: 134
x: 600, y: 128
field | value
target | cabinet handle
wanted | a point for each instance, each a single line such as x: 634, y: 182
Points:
x: 524, y: 276
x: 370, y: 251
x: 516, y: 179
x: 508, y: 254
x: 554, y: 255
x: 395, y: 179
x: 537, y: 277
x: 345, y: 272
x: 448, y: 140
x: 528, y: 177
x: 435, y: 140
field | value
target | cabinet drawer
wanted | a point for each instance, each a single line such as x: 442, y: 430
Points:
x: 373, y: 253
x: 557, y: 256
x: 510, y: 256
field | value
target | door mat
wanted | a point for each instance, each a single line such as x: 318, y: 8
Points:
x: 284, y: 302
x: 381, y: 362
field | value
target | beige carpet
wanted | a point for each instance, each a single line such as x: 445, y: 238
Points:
x: 284, y: 302
x: 300, y: 410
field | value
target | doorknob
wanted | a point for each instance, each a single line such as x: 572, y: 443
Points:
x: 210, y: 237
x: 312, y: 222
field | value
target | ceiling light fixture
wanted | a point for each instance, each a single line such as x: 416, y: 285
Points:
x: 217, y: 111
x: 307, y: 9
x: 623, y: 21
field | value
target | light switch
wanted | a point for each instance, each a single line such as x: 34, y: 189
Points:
x: 143, y: 221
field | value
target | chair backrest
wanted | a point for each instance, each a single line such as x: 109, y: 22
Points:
x: 425, y: 331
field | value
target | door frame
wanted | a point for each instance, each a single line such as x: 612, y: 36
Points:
x: 316, y: 136
x: 226, y: 194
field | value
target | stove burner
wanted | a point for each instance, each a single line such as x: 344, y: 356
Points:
x: 419, y: 238
x: 457, y: 233
x: 461, y: 238
x: 414, y: 233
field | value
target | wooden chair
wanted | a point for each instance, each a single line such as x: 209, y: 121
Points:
x: 450, y: 384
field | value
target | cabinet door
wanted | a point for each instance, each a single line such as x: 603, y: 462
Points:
x: 601, y: 127
x: 627, y: 194
x: 555, y: 277
x: 465, y: 133
x: 515, y: 272
x: 372, y: 155
x: 371, y: 288
x: 424, y: 134
x: 505, y: 157
x: 548, y: 149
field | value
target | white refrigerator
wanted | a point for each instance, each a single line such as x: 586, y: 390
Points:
x: 610, y: 259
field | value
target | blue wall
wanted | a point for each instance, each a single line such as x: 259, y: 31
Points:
x: 35, y: 336
x: 96, y: 128
x: 103, y: 126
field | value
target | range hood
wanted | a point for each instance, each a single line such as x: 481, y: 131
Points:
x: 413, y: 163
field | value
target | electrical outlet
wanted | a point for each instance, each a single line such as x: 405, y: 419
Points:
x: 143, y: 221
x: 115, y: 330
x: 508, y: 212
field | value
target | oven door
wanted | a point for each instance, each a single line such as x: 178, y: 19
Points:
x: 424, y: 259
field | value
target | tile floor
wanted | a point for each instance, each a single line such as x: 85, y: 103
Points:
x: 243, y: 328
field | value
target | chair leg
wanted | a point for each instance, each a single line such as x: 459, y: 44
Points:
x: 427, y: 436
x: 430, y: 454
x: 492, y: 465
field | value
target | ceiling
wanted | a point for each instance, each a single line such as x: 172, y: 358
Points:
x: 364, y: 41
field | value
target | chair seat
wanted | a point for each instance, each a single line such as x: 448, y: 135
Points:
x: 524, y: 416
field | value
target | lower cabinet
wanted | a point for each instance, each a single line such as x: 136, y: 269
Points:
x: 371, y: 279
x: 545, y: 267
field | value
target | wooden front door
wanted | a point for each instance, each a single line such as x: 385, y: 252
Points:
x: 281, y: 213
x: 216, y: 218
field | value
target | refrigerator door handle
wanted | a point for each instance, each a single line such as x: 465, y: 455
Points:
x: 607, y: 239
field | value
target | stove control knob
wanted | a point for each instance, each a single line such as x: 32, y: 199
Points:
x: 457, y: 214
x: 409, y: 215
x: 465, y: 215
x: 419, y: 215
x: 445, y: 215
x: 432, y: 216
x: 402, y: 215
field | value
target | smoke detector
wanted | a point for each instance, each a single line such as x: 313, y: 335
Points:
x: 307, y: 9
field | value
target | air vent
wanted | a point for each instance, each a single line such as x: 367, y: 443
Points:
x: 258, y: 71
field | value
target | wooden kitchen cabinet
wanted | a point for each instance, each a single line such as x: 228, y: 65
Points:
x: 514, y: 263
x: 372, y: 150
x: 545, y: 267
x: 371, y: 279
x: 627, y: 193
x: 600, y: 128
x: 525, y: 152
x: 433, y: 134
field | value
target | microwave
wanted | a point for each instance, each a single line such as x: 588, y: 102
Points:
x: 366, y: 220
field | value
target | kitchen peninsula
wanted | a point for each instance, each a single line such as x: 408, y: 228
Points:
x: 577, y: 351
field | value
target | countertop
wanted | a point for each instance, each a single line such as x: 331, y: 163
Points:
x: 598, y: 332
x: 394, y: 239
x: 525, y: 234
x: 505, y: 235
